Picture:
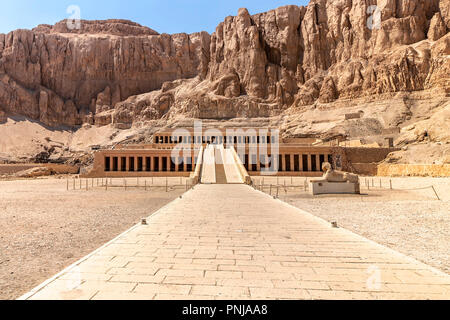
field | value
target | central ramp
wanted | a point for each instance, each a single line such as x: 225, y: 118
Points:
x: 221, y: 177
x: 233, y: 242
x: 220, y: 166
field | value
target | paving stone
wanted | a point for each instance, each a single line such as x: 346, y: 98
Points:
x: 232, y: 242
x: 153, y: 289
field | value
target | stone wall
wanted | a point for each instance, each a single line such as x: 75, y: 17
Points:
x: 365, y: 169
x: 367, y: 155
x: 415, y: 170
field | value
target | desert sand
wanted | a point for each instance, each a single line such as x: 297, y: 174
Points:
x: 45, y: 228
x: 408, y: 219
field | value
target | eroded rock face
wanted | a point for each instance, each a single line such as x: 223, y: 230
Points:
x: 116, y: 27
x: 295, y: 57
x: 264, y: 65
x: 59, y: 78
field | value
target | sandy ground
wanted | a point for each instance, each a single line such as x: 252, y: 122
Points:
x: 44, y: 228
x: 21, y: 138
x: 410, y: 221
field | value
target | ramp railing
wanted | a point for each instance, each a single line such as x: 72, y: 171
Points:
x: 245, y: 176
x: 198, y: 168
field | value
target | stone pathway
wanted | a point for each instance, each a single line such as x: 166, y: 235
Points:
x: 221, y: 177
x: 232, y: 242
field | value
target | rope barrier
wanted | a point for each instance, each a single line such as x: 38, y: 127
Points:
x: 304, y: 187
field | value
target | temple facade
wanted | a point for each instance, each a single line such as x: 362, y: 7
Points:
x: 261, y: 151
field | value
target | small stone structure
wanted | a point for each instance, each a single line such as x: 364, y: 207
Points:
x: 392, y: 130
x: 389, y: 142
x: 350, y: 116
x: 335, y: 182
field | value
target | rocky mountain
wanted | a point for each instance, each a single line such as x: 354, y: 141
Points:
x: 299, y: 68
x: 64, y: 77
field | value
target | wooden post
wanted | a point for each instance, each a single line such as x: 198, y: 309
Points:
x: 106, y: 185
x: 167, y: 185
x: 67, y: 187
x: 390, y: 183
x: 73, y: 184
x: 145, y: 185
x: 270, y: 189
x: 435, y: 193
x: 380, y: 184
x: 278, y: 190
x: 125, y: 184
x: 87, y: 184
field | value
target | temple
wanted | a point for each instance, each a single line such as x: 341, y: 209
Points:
x: 261, y: 151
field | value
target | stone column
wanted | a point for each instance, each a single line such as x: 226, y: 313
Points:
x: 128, y: 163
x: 309, y: 163
x: 161, y: 163
x: 283, y: 162
x: 300, y: 159
x: 169, y: 163
x: 176, y: 164
x: 276, y: 164
x: 292, y: 158
x: 258, y: 161
x: 152, y: 164
x: 318, y: 163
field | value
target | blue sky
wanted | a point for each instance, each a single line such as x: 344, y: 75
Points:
x: 169, y: 16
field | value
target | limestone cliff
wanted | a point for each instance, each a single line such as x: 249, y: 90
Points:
x: 295, y: 57
x: 64, y: 77
x: 301, y: 68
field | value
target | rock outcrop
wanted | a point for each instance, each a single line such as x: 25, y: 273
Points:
x: 61, y: 77
x: 296, y: 57
x: 280, y: 63
x: 97, y: 27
